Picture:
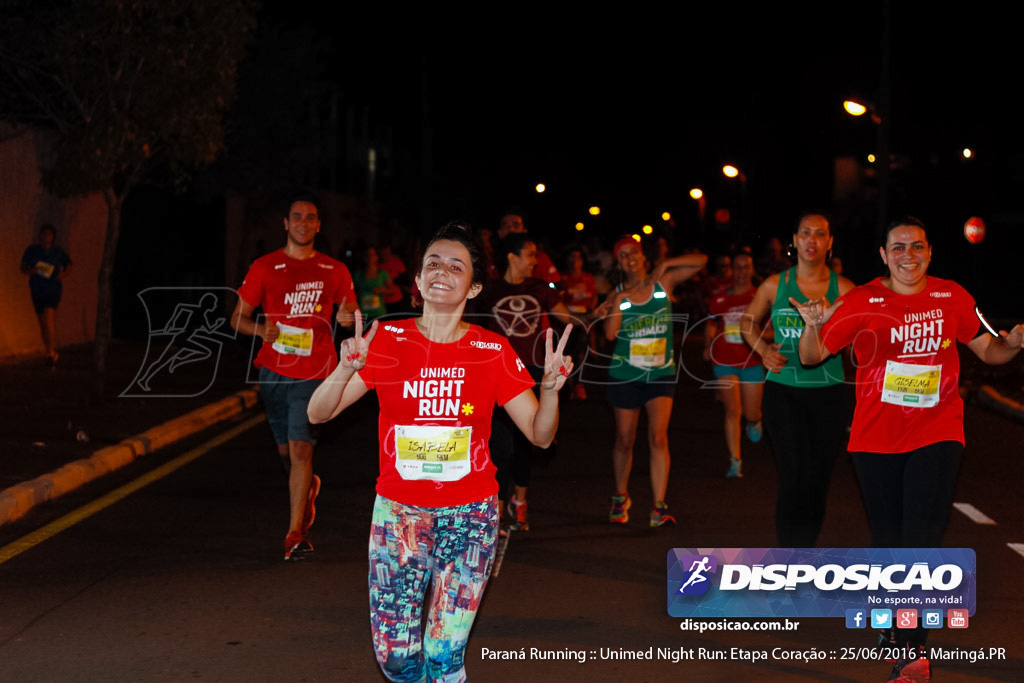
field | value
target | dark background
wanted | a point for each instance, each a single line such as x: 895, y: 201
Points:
x: 468, y: 110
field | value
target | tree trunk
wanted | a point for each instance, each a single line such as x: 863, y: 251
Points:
x: 104, y: 299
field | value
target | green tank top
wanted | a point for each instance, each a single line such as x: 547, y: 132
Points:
x: 788, y: 326
x: 643, y: 350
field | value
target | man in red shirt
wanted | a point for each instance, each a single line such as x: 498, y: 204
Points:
x: 297, y: 288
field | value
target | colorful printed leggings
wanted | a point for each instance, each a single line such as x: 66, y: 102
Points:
x: 446, y: 551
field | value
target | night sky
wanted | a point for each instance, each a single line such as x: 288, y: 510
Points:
x: 629, y: 110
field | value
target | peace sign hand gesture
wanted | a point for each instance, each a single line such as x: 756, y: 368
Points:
x: 557, y: 367
x: 354, y: 350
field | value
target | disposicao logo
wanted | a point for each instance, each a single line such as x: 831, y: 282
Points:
x: 696, y: 581
x: 818, y: 582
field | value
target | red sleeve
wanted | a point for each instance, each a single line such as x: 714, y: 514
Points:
x: 968, y: 312
x: 346, y: 288
x: 513, y: 378
x: 252, y: 290
x: 842, y: 327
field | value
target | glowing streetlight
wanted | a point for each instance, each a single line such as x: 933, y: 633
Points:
x: 540, y: 187
x: 579, y: 227
x: 666, y: 216
x: 595, y: 210
x: 871, y: 158
x: 636, y: 237
x: 730, y: 171
x: 696, y: 193
x: 854, y: 108
x: 648, y: 229
x: 968, y: 153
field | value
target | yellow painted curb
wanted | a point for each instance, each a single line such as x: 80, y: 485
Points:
x: 16, y: 501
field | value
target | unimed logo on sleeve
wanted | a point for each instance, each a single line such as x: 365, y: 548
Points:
x: 817, y: 582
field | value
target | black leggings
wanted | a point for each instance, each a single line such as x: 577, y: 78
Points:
x: 511, y: 451
x: 907, y: 498
x: 807, y: 430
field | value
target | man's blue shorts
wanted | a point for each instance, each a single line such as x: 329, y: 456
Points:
x: 286, y: 400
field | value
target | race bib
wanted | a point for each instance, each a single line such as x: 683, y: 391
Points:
x: 294, y: 341
x: 45, y: 269
x: 732, y: 333
x: 369, y: 301
x: 647, y: 353
x: 432, y: 452
x: 911, y: 385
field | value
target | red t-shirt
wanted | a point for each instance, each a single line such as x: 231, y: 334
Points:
x: 580, y: 292
x: 436, y: 402
x: 298, y: 295
x: 908, y: 367
x: 729, y: 347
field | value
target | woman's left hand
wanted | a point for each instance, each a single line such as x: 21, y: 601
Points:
x: 557, y: 367
x: 1015, y: 337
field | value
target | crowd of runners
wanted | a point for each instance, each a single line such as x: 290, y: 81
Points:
x: 468, y: 348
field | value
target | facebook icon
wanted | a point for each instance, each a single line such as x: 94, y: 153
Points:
x: 856, y: 618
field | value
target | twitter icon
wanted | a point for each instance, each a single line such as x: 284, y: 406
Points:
x: 881, y: 618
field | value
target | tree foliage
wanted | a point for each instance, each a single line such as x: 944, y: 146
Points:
x: 129, y: 87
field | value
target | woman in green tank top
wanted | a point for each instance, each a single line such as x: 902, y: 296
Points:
x: 806, y: 409
x: 643, y: 373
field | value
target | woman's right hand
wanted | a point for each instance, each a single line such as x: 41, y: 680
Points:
x: 354, y: 350
x: 772, y: 360
x: 815, y: 312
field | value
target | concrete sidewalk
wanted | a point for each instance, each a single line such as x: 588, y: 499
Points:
x: 57, y: 436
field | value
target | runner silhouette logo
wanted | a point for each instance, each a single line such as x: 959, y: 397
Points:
x: 696, y: 580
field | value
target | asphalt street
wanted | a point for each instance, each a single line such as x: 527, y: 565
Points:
x: 183, y: 577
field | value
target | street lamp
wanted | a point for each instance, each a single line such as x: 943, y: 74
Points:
x: 697, y: 195
x: 859, y: 108
x: 855, y: 108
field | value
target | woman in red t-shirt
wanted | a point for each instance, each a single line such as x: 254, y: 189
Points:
x: 435, y: 520
x: 907, y: 435
x: 738, y: 372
